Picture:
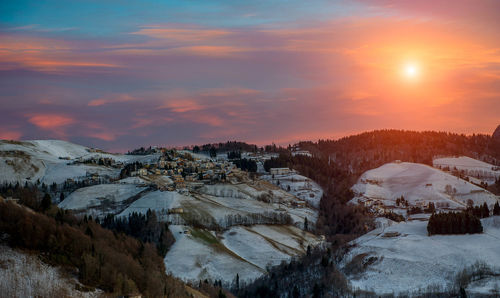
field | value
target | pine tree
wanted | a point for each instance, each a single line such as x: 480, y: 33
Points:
x: 485, y: 211
x: 46, y: 202
x: 496, y: 209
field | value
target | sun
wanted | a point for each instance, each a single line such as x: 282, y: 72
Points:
x: 411, y: 70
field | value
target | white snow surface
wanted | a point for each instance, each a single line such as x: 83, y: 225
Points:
x: 245, y: 251
x: 300, y: 186
x: 417, y: 183
x: 159, y: 201
x: 412, y: 260
x: 472, y: 167
x: 97, y: 195
x: 22, y: 161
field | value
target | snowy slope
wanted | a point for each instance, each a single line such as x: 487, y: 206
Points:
x: 245, y: 251
x: 300, y: 186
x: 100, y: 199
x: 472, y: 167
x: 418, y: 183
x: 159, y: 201
x: 412, y: 260
x: 51, y: 161
x: 215, y: 203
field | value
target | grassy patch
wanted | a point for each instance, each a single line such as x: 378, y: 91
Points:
x: 205, y: 236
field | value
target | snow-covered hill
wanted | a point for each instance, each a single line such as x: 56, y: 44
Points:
x: 244, y: 250
x: 402, y: 258
x: 473, y: 168
x: 99, y: 200
x: 418, y: 184
x: 53, y: 161
x: 241, y: 210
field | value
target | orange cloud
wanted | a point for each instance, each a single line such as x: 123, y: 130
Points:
x: 182, y: 34
x: 182, y: 106
x: 43, y: 54
x: 50, y: 121
x: 9, y: 134
x: 105, y: 136
x: 110, y: 99
x: 212, y: 120
x: 225, y: 92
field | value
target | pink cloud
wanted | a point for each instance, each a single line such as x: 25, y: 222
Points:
x: 110, y: 99
x: 105, y: 136
x: 182, y: 34
x: 182, y: 106
x: 45, y: 55
x: 50, y: 121
x: 212, y: 120
x: 10, y: 134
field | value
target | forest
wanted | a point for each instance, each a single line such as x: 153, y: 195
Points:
x: 454, y: 223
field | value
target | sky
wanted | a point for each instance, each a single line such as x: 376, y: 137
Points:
x: 122, y: 74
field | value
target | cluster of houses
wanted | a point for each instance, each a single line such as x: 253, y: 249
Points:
x: 378, y: 206
x: 185, y: 171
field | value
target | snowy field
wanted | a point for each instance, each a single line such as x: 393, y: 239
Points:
x: 246, y: 251
x: 418, y: 184
x: 50, y: 161
x: 159, y: 201
x: 203, y: 254
x: 401, y: 258
x: 300, y: 186
x: 98, y: 200
x: 215, y: 203
x: 483, y: 171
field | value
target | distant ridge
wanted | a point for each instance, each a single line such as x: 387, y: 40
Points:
x: 496, y: 133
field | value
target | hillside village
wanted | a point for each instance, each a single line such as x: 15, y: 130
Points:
x: 198, y: 195
x: 227, y: 221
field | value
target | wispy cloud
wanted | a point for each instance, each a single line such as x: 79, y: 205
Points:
x: 111, y: 99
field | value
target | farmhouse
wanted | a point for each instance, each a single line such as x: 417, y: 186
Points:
x: 280, y: 171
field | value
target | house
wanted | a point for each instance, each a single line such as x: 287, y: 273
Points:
x: 302, y: 152
x: 162, y: 163
x: 179, y: 181
x: 280, y: 171
x: 175, y: 211
x: 142, y: 172
x: 301, y: 204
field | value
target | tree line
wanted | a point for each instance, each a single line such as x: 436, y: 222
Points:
x: 454, y: 223
x: 145, y: 227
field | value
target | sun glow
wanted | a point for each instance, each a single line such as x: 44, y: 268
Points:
x: 411, y: 70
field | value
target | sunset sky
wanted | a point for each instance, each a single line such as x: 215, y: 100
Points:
x: 122, y: 74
